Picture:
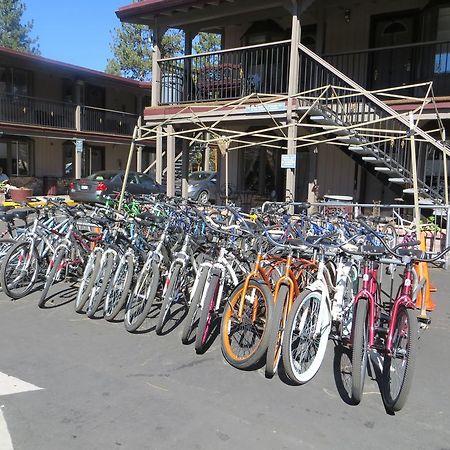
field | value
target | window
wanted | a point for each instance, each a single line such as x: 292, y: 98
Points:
x: 442, y: 56
x: 68, y: 159
x: 16, y: 157
x: 145, y: 180
x: 15, y: 81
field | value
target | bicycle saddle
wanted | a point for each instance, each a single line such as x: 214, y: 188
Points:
x: 411, y: 252
x: 149, y: 217
x: 375, y: 250
x: 6, y: 217
x: 21, y: 214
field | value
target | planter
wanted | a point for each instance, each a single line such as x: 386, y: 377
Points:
x: 20, y: 195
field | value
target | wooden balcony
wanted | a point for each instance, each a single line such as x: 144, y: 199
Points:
x: 42, y: 113
x: 225, y: 74
x: 403, y: 65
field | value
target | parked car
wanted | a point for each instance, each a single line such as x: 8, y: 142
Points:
x: 99, y: 185
x: 203, y: 186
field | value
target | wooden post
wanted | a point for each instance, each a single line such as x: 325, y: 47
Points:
x: 159, y: 154
x: 414, y: 174
x: 292, y: 91
x: 127, y: 169
x: 156, y: 70
x: 170, y: 179
x: 185, y: 169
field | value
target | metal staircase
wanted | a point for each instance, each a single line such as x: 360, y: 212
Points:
x: 376, y: 136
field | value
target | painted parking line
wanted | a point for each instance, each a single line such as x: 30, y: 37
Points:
x: 5, y: 437
x: 12, y: 385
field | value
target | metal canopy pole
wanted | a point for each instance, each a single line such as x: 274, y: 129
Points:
x: 170, y: 178
x: 127, y: 169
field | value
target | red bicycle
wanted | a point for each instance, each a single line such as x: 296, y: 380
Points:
x: 391, y: 329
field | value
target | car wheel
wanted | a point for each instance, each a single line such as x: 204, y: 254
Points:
x: 203, y: 197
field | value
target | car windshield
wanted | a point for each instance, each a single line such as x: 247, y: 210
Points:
x: 100, y: 176
x: 199, y: 176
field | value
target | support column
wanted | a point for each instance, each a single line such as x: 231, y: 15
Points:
x: 159, y: 155
x: 170, y: 179
x: 156, y: 72
x: 78, y: 157
x: 139, y: 158
x: 185, y: 169
x: 312, y: 177
x: 207, y: 156
x: 292, y: 91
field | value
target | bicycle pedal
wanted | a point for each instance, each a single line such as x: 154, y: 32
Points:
x: 424, y: 322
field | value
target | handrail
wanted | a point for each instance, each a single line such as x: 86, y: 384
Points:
x: 392, y: 47
x: 109, y: 110
x: 228, y: 50
x: 373, y: 98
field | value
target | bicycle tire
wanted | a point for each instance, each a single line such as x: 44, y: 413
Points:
x: 175, y: 279
x: 276, y: 331
x: 21, y: 250
x: 55, y: 263
x: 359, y: 349
x: 144, y: 293
x: 305, y: 338
x: 5, y: 245
x: 121, y: 283
x: 88, y: 279
x: 194, y: 307
x: 104, y: 279
x: 254, y: 337
x: 404, y: 345
x: 206, y: 316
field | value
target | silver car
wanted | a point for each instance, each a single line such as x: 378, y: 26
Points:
x: 203, y: 186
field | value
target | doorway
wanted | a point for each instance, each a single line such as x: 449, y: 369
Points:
x: 392, y: 66
x: 93, y: 160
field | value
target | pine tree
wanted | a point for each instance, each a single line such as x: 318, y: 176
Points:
x: 13, y: 33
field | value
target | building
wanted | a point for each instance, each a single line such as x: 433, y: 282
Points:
x: 47, y: 106
x: 312, y: 80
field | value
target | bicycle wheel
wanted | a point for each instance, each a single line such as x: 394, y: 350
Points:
x: 399, y: 365
x: 171, y: 296
x: 5, y: 245
x: 120, y: 286
x: 142, y: 298
x: 88, y: 279
x: 195, y: 306
x: 359, y: 349
x: 56, y: 266
x: 276, y: 331
x: 244, y: 342
x: 101, y: 283
x: 306, y: 336
x: 19, y: 270
x: 207, y: 315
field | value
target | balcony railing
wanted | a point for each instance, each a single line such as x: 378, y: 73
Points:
x: 16, y: 109
x: 107, y: 121
x: 385, y: 67
x: 226, y: 74
x: 34, y: 111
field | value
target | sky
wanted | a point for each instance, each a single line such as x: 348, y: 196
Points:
x: 75, y: 31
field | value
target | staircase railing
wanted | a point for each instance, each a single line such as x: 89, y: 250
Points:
x: 356, y: 109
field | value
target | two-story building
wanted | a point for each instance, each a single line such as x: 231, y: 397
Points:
x: 60, y: 121
x: 312, y: 80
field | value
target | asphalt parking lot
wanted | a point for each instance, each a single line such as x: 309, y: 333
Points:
x: 104, y: 388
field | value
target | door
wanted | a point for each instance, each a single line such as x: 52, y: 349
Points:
x: 93, y: 160
x: 392, y: 67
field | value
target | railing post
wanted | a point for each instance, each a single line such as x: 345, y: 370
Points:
x: 78, y: 118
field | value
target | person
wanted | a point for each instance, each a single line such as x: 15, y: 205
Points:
x: 3, y: 176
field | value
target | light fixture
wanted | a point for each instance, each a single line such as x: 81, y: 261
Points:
x: 347, y: 15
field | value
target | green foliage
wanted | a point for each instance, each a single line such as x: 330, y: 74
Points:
x: 206, y: 42
x: 13, y: 33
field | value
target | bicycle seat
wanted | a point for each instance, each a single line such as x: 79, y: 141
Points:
x: 21, y: 214
x: 150, y: 217
x: 6, y: 217
x: 375, y: 250
x: 414, y: 253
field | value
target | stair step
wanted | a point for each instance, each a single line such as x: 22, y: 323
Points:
x: 351, y: 140
x: 370, y: 158
x: 397, y: 180
x: 383, y: 169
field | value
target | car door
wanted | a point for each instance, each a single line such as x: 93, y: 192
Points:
x: 147, y: 184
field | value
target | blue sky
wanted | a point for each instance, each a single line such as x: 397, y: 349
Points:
x: 75, y: 31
